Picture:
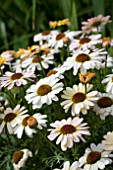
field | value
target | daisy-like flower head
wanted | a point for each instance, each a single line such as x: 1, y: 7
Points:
x: 44, y: 91
x: 67, y: 166
x: 78, y: 98
x: 68, y: 131
x: 104, y: 105
x: 29, y: 124
x: 18, y: 78
x: 11, y: 118
x: 95, y: 158
x: 41, y: 59
x: 6, y: 58
x: 108, y: 141
x: 109, y: 83
x: 57, y: 72
x: 20, y: 157
x: 84, y: 60
x: 95, y: 24
x: 44, y: 36
x: 62, y: 38
x: 85, y: 42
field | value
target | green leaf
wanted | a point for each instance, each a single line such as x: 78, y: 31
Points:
x: 98, y: 6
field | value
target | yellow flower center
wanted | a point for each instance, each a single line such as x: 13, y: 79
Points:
x: 78, y: 97
x: 2, y: 60
x: 104, y: 102
x: 67, y: 129
x: 93, y: 157
x: 82, y: 58
x: 51, y: 72
x: 60, y: 36
x: 84, y: 40
x: 16, y: 76
x: 45, y: 33
x: 17, y: 156
x: 9, y: 117
x: 44, y: 89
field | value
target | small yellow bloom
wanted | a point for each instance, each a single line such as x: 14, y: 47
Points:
x: 2, y: 60
x: 106, y: 41
x: 87, y: 77
x: 53, y: 24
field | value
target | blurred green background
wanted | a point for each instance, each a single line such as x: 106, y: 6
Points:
x: 21, y: 19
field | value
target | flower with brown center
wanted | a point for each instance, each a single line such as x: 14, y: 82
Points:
x: 20, y: 157
x: 104, y: 105
x: 29, y: 124
x: 11, y: 118
x: 18, y: 78
x: 68, y: 131
x: 44, y: 91
x: 95, y: 157
x: 78, y: 98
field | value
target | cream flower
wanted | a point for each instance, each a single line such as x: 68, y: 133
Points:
x: 104, y: 105
x: 95, y: 24
x: 108, y: 141
x: 20, y: 157
x: 44, y: 36
x: 44, y: 91
x: 68, y: 131
x: 37, y: 61
x: 78, y: 98
x: 29, y: 124
x: 67, y: 166
x: 84, y: 60
x: 18, y: 78
x: 109, y: 81
x: 61, y: 39
x: 85, y: 42
x: 11, y: 118
x: 95, y: 158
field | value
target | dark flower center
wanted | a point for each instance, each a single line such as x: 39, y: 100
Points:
x: 104, y: 102
x: 51, y: 72
x: 44, y: 89
x: 16, y: 76
x: 82, y: 58
x: 96, y: 23
x: 36, y: 59
x: 93, y: 157
x: 67, y: 129
x: 24, y: 122
x: 78, y: 97
x: 84, y: 40
x: 17, y: 156
x: 45, y: 32
x: 60, y: 36
x: 32, y: 122
x: 9, y: 117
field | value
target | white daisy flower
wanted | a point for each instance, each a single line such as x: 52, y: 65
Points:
x: 108, y: 141
x: 44, y: 36
x: 20, y: 157
x: 62, y: 38
x: 29, y: 124
x: 37, y: 61
x: 11, y: 118
x: 109, y: 83
x: 18, y: 78
x: 95, y: 158
x: 95, y: 24
x: 57, y: 72
x: 44, y: 91
x: 78, y: 98
x: 104, y: 105
x: 85, y: 42
x: 84, y: 60
x: 68, y: 131
x: 67, y: 166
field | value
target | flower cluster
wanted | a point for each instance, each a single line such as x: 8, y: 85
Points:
x: 60, y: 88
